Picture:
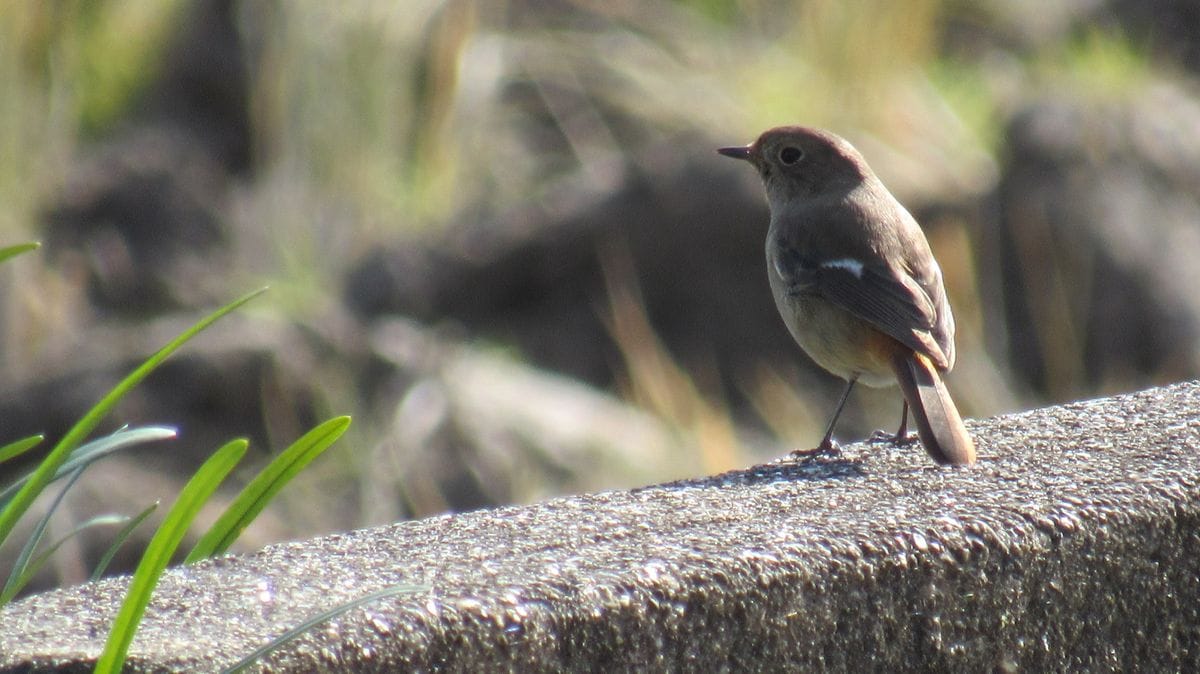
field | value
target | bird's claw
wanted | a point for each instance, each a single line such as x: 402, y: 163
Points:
x: 829, y: 450
x: 881, y: 436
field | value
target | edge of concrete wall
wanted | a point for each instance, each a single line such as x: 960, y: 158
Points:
x: 1072, y: 545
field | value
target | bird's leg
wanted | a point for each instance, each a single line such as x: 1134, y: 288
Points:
x: 828, y: 445
x: 902, y: 438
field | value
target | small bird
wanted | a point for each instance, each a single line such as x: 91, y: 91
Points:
x: 855, y: 281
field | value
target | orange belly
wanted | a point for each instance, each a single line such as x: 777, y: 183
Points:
x: 839, y: 341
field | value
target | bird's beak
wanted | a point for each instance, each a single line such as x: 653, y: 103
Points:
x: 742, y: 152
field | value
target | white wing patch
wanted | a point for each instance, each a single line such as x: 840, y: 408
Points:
x: 849, y: 264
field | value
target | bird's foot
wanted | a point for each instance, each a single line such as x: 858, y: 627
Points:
x: 830, y: 450
x: 894, y: 439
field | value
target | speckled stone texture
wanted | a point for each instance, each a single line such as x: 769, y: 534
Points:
x: 1071, y: 546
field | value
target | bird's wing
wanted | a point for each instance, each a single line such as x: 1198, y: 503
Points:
x: 887, y: 297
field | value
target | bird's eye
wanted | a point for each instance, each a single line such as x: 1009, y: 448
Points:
x: 790, y: 155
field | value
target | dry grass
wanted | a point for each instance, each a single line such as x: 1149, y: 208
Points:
x: 655, y: 382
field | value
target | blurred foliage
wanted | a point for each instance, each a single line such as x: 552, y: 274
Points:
x: 68, y: 69
x: 1097, y: 62
x: 383, y: 107
x: 110, y: 49
x: 655, y: 381
x: 33, y: 130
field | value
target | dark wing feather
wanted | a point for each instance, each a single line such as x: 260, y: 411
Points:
x: 890, y: 299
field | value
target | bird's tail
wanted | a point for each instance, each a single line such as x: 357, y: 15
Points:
x: 938, y: 423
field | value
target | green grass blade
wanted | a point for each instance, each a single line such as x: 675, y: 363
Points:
x: 162, y: 546
x: 256, y: 495
x: 308, y: 624
x: 15, y: 508
x: 32, y: 568
x: 13, y: 251
x: 119, y: 540
x: 12, y: 585
x: 14, y: 449
x: 93, y: 451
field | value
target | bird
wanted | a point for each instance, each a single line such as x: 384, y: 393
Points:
x: 856, y: 283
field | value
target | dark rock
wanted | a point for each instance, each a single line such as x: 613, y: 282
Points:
x: 141, y: 218
x: 1166, y: 27
x: 204, y: 86
x: 1162, y: 30
x: 142, y: 221
x: 242, y: 378
x: 1096, y: 241
x: 688, y: 243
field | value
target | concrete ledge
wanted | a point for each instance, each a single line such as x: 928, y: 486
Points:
x: 1073, y: 545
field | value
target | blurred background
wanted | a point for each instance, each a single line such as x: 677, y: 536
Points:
x: 498, y: 235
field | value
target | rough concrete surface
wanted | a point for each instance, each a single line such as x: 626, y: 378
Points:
x: 1071, y: 546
